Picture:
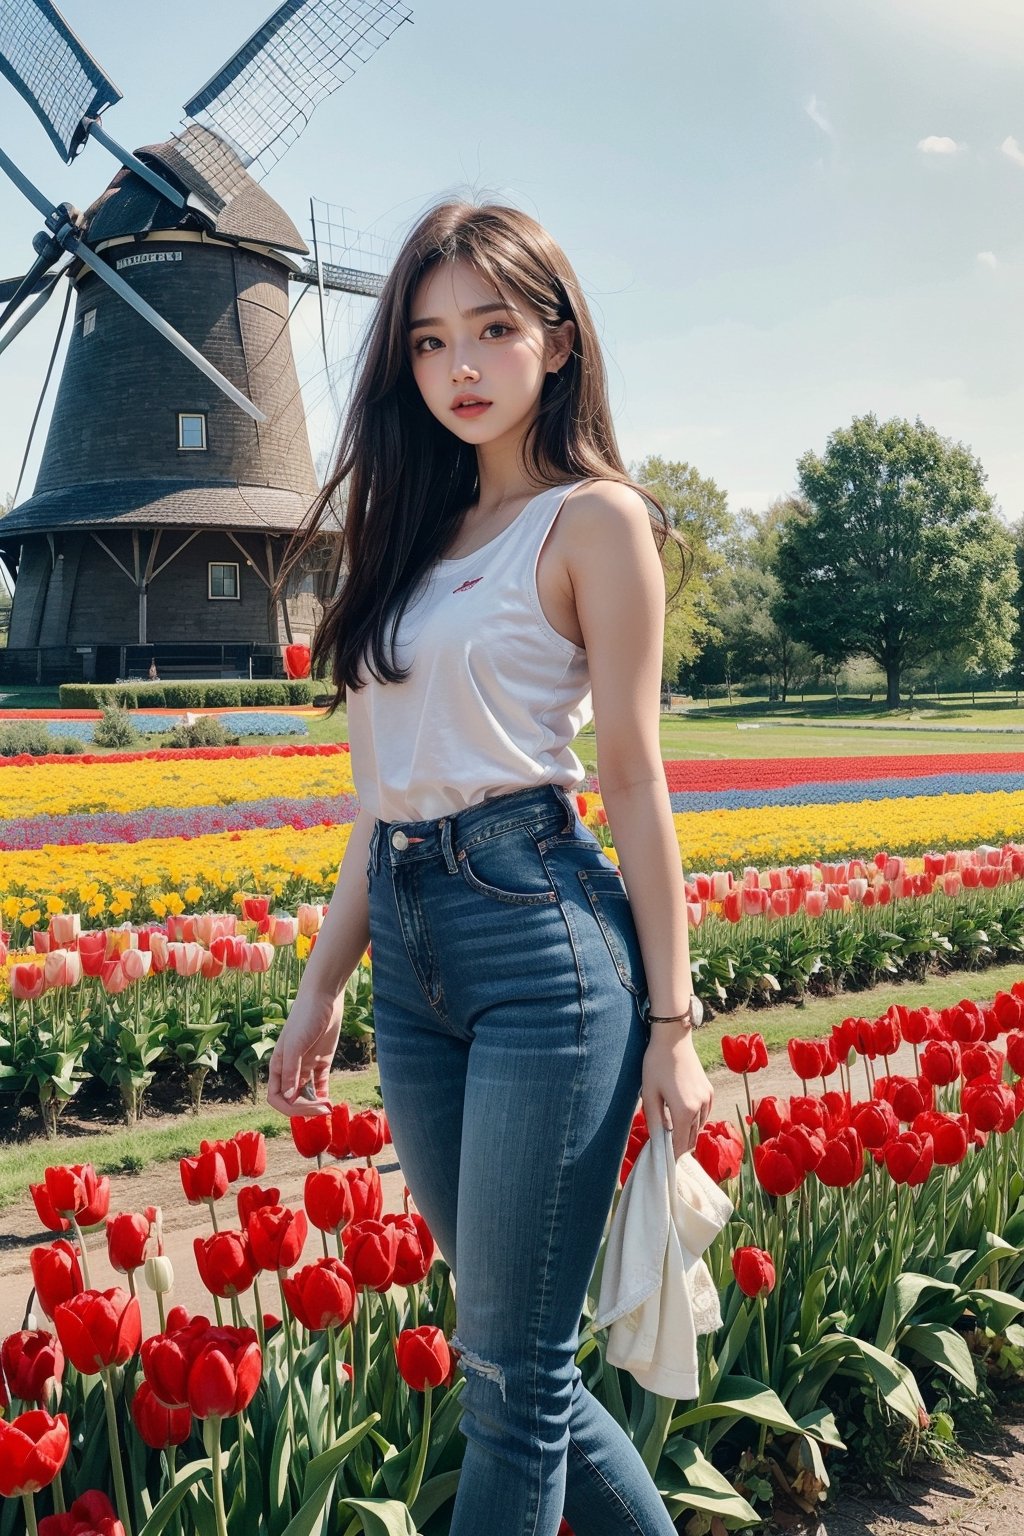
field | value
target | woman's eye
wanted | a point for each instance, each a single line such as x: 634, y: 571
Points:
x: 498, y: 325
x: 421, y: 345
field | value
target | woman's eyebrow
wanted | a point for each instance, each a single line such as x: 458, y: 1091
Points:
x: 481, y: 309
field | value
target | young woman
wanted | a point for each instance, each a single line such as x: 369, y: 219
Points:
x: 522, y: 999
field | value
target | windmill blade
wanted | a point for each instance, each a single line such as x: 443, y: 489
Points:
x: 10, y: 285
x: 126, y: 292
x: 47, y: 258
x: 58, y: 77
x: 17, y: 326
x: 262, y: 98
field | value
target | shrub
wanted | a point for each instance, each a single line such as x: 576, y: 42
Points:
x: 205, y: 732
x: 187, y: 694
x: 116, y: 729
x: 33, y: 737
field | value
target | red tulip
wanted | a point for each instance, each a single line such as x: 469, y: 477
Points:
x: 341, y: 1117
x: 719, y: 1150
x: 964, y: 1021
x: 56, y: 1274
x: 99, y: 1329
x: 159, y: 1426
x: 252, y: 1148
x: 230, y: 1151
x: 424, y: 1359
x: 327, y: 1196
x: 982, y: 1061
x: 365, y: 1133
x: 26, y: 981
x: 842, y: 1162
x: 909, y: 1158
x: 744, y: 1053
x: 989, y: 1106
x: 940, y: 1062
x: 225, y: 1263
x: 888, y: 1034
x: 639, y: 1135
x: 276, y: 1235
x: 754, y: 1271
x: 29, y: 1360
x: 771, y: 1115
x: 950, y: 1136
x: 76, y: 1192
x: 415, y: 1248
x: 367, y: 1193
x: 127, y: 1236
x: 907, y: 1095
x: 311, y: 1133
x: 322, y: 1295
x: 251, y: 1197
x: 1009, y: 1011
x: 204, y: 1177
x: 875, y: 1122
x: 808, y: 1111
x: 918, y: 1025
x: 224, y: 1373
x: 778, y: 1170
x: 167, y: 1357
x: 91, y: 1514
x: 51, y: 1220
x: 806, y: 1057
x: 33, y: 1448
x: 371, y: 1249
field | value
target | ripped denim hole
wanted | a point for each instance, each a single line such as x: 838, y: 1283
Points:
x: 473, y: 1362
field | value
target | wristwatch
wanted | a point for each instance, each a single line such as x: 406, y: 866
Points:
x: 694, y: 1015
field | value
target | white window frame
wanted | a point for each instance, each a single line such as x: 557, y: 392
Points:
x: 190, y: 416
x: 223, y: 597
x: 88, y: 322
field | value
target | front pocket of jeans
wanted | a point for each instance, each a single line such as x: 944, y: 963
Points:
x: 606, y: 893
x: 507, y: 867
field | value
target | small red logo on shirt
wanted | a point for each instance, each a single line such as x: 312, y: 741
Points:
x: 466, y: 585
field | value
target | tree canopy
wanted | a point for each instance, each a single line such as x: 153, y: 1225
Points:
x: 898, y: 554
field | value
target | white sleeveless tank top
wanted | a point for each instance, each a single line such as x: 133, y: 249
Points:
x: 495, y: 695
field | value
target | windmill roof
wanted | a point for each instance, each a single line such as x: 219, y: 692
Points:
x: 156, y: 503
x: 130, y: 206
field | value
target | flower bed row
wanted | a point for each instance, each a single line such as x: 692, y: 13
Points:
x: 774, y: 772
x: 179, y: 754
x: 872, y: 1272
x: 242, y: 722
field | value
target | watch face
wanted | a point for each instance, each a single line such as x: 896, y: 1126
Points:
x: 697, y: 1011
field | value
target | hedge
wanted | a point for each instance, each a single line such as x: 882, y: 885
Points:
x: 186, y: 695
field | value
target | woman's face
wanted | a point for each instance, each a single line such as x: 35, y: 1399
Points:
x: 464, y: 340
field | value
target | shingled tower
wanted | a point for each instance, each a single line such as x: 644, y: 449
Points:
x: 161, y: 511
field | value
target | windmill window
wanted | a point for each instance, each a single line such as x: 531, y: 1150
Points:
x: 223, y: 579
x: 88, y: 322
x: 191, y: 429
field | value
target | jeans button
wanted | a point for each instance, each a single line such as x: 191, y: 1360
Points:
x: 399, y: 840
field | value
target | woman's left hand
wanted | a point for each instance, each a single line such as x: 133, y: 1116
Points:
x: 675, y: 1090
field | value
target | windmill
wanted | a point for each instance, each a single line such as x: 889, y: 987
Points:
x: 177, y: 463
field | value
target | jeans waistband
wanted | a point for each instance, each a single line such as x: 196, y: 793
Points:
x: 544, y: 807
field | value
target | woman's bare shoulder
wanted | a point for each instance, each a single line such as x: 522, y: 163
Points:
x: 605, y: 509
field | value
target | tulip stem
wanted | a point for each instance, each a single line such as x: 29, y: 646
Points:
x: 30, y: 1513
x: 332, y: 1369
x: 260, y: 1334
x: 120, y: 1491
x: 81, y: 1249
x: 766, y: 1369
x: 289, y: 1348
x: 211, y: 1434
x: 416, y: 1479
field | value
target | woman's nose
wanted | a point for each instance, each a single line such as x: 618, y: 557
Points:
x: 464, y: 370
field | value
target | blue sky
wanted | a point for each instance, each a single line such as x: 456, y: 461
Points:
x: 784, y: 213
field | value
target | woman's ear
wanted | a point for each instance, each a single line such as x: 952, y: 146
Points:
x: 560, y: 344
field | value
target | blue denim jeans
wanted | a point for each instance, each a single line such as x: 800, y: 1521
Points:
x: 508, y: 995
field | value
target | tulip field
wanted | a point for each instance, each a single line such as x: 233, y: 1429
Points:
x: 156, y: 910
x: 871, y: 1274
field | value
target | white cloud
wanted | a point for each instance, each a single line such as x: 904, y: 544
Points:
x: 816, y: 115
x: 987, y: 259
x: 1012, y: 149
x: 936, y: 145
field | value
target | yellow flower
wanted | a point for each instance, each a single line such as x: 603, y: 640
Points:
x: 193, y: 894
x: 31, y: 917
x: 158, y: 906
x: 175, y: 903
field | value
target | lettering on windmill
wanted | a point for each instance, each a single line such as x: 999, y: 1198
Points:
x: 146, y: 257
x: 466, y: 585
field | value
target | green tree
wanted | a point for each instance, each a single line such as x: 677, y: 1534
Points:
x: 899, y: 555
x: 697, y: 509
x: 753, y: 644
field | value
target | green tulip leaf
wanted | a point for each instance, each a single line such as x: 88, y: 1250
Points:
x: 991, y: 1247
x: 944, y: 1348
x: 740, y: 1397
x: 311, y: 1516
x: 905, y: 1296
x: 821, y: 1425
x: 437, y: 1491
x: 997, y: 1308
x: 280, y: 1504
x: 187, y: 1477
x: 687, y: 1480
x: 383, y: 1517
x: 328, y: 1461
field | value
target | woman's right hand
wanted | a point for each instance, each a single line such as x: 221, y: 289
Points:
x: 305, y: 1051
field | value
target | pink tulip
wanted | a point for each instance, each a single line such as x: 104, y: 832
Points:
x: 721, y: 884
x: 62, y: 968
x: 65, y: 928
x: 113, y: 976
x: 41, y: 941
x: 696, y: 911
x: 136, y: 963
x: 309, y: 918
x: 211, y: 966
x: 858, y: 888
x: 258, y: 958
x: 815, y: 902
x: 159, y: 948
x: 283, y: 929
x: 27, y: 981
x: 185, y: 958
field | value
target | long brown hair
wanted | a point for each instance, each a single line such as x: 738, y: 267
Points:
x: 405, y: 479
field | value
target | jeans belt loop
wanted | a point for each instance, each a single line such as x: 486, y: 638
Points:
x: 446, y: 844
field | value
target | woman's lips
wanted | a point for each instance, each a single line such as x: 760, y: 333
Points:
x: 477, y: 408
